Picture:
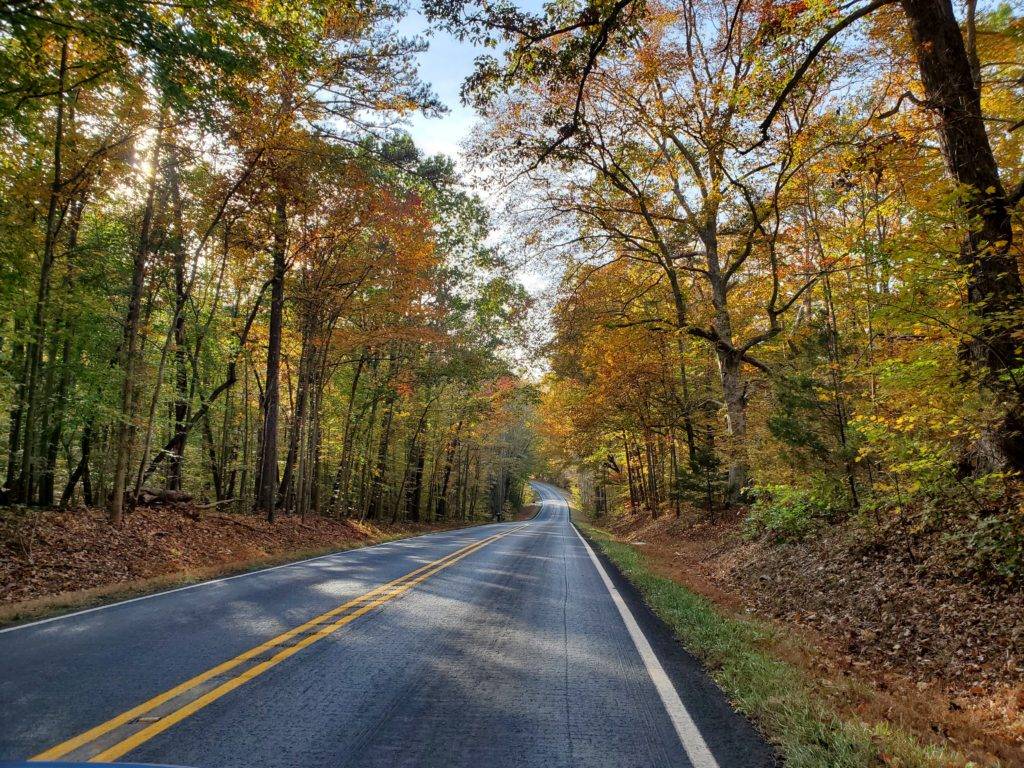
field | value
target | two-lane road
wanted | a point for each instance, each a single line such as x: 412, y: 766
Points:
x: 501, y: 645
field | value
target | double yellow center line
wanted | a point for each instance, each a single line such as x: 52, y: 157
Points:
x: 123, y: 733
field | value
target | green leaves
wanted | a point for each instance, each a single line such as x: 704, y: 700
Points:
x: 782, y: 512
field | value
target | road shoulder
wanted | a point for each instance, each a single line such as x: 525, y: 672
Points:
x: 776, y: 695
x: 726, y: 731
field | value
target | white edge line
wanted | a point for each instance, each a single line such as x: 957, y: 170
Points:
x: 689, y: 735
x: 256, y: 572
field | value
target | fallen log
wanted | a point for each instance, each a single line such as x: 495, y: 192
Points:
x: 151, y: 497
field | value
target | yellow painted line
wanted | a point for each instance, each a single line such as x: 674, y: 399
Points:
x: 383, y: 594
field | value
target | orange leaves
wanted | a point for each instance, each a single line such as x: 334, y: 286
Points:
x: 615, y: 360
x: 778, y: 16
x: 362, y: 250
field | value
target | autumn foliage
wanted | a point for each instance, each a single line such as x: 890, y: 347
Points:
x: 230, y: 277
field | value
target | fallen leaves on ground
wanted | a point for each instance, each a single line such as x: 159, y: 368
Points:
x: 46, y: 552
x: 889, y: 633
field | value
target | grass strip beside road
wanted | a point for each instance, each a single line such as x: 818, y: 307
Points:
x: 773, y: 693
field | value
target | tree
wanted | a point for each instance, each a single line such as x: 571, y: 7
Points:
x: 952, y: 93
x: 222, y: 264
x: 655, y: 172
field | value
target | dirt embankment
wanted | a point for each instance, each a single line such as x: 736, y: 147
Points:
x: 51, y: 559
x: 527, y: 511
x: 912, y: 640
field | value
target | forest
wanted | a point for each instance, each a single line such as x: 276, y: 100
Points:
x: 791, y: 270
x: 226, y: 275
x: 782, y: 335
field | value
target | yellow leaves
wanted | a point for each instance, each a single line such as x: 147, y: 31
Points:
x: 907, y: 420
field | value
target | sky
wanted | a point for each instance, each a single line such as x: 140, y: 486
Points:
x: 445, y: 65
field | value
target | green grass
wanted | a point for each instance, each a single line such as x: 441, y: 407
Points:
x: 773, y: 693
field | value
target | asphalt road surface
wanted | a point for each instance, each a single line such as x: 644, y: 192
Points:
x: 509, y: 644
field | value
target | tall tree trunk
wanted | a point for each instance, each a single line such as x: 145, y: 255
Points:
x: 735, y: 398
x: 652, y: 475
x: 33, y: 358
x: 216, y: 479
x: 679, y: 304
x: 346, y: 441
x: 364, y: 458
x: 68, y: 349
x: 81, y: 471
x: 286, y: 494
x: 380, y: 470
x: 674, y: 469
x: 400, y: 497
x: 180, y: 408
x: 229, y: 448
x: 55, y: 431
x: 415, y: 492
x: 243, y: 480
x: 131, y: 355
x: 266, y: 484
x: 641, y: 478
x: 15, y: 415
x: 441, y: 511
x: 634, y: 498
x: 308, y: 466
x: 730, y: 369
x: 470, y: 511
x: 435, y: 467
x: 44, y: 489
x: 311, y: 489
x: 994, y: 292
x: 463, y: 484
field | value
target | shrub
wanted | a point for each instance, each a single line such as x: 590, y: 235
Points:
x: 993, y: 545
x: 784, y: 512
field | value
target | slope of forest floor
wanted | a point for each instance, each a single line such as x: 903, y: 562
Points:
x: 527, y: 512
x: 54, y: 560
x: 888, y: 634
